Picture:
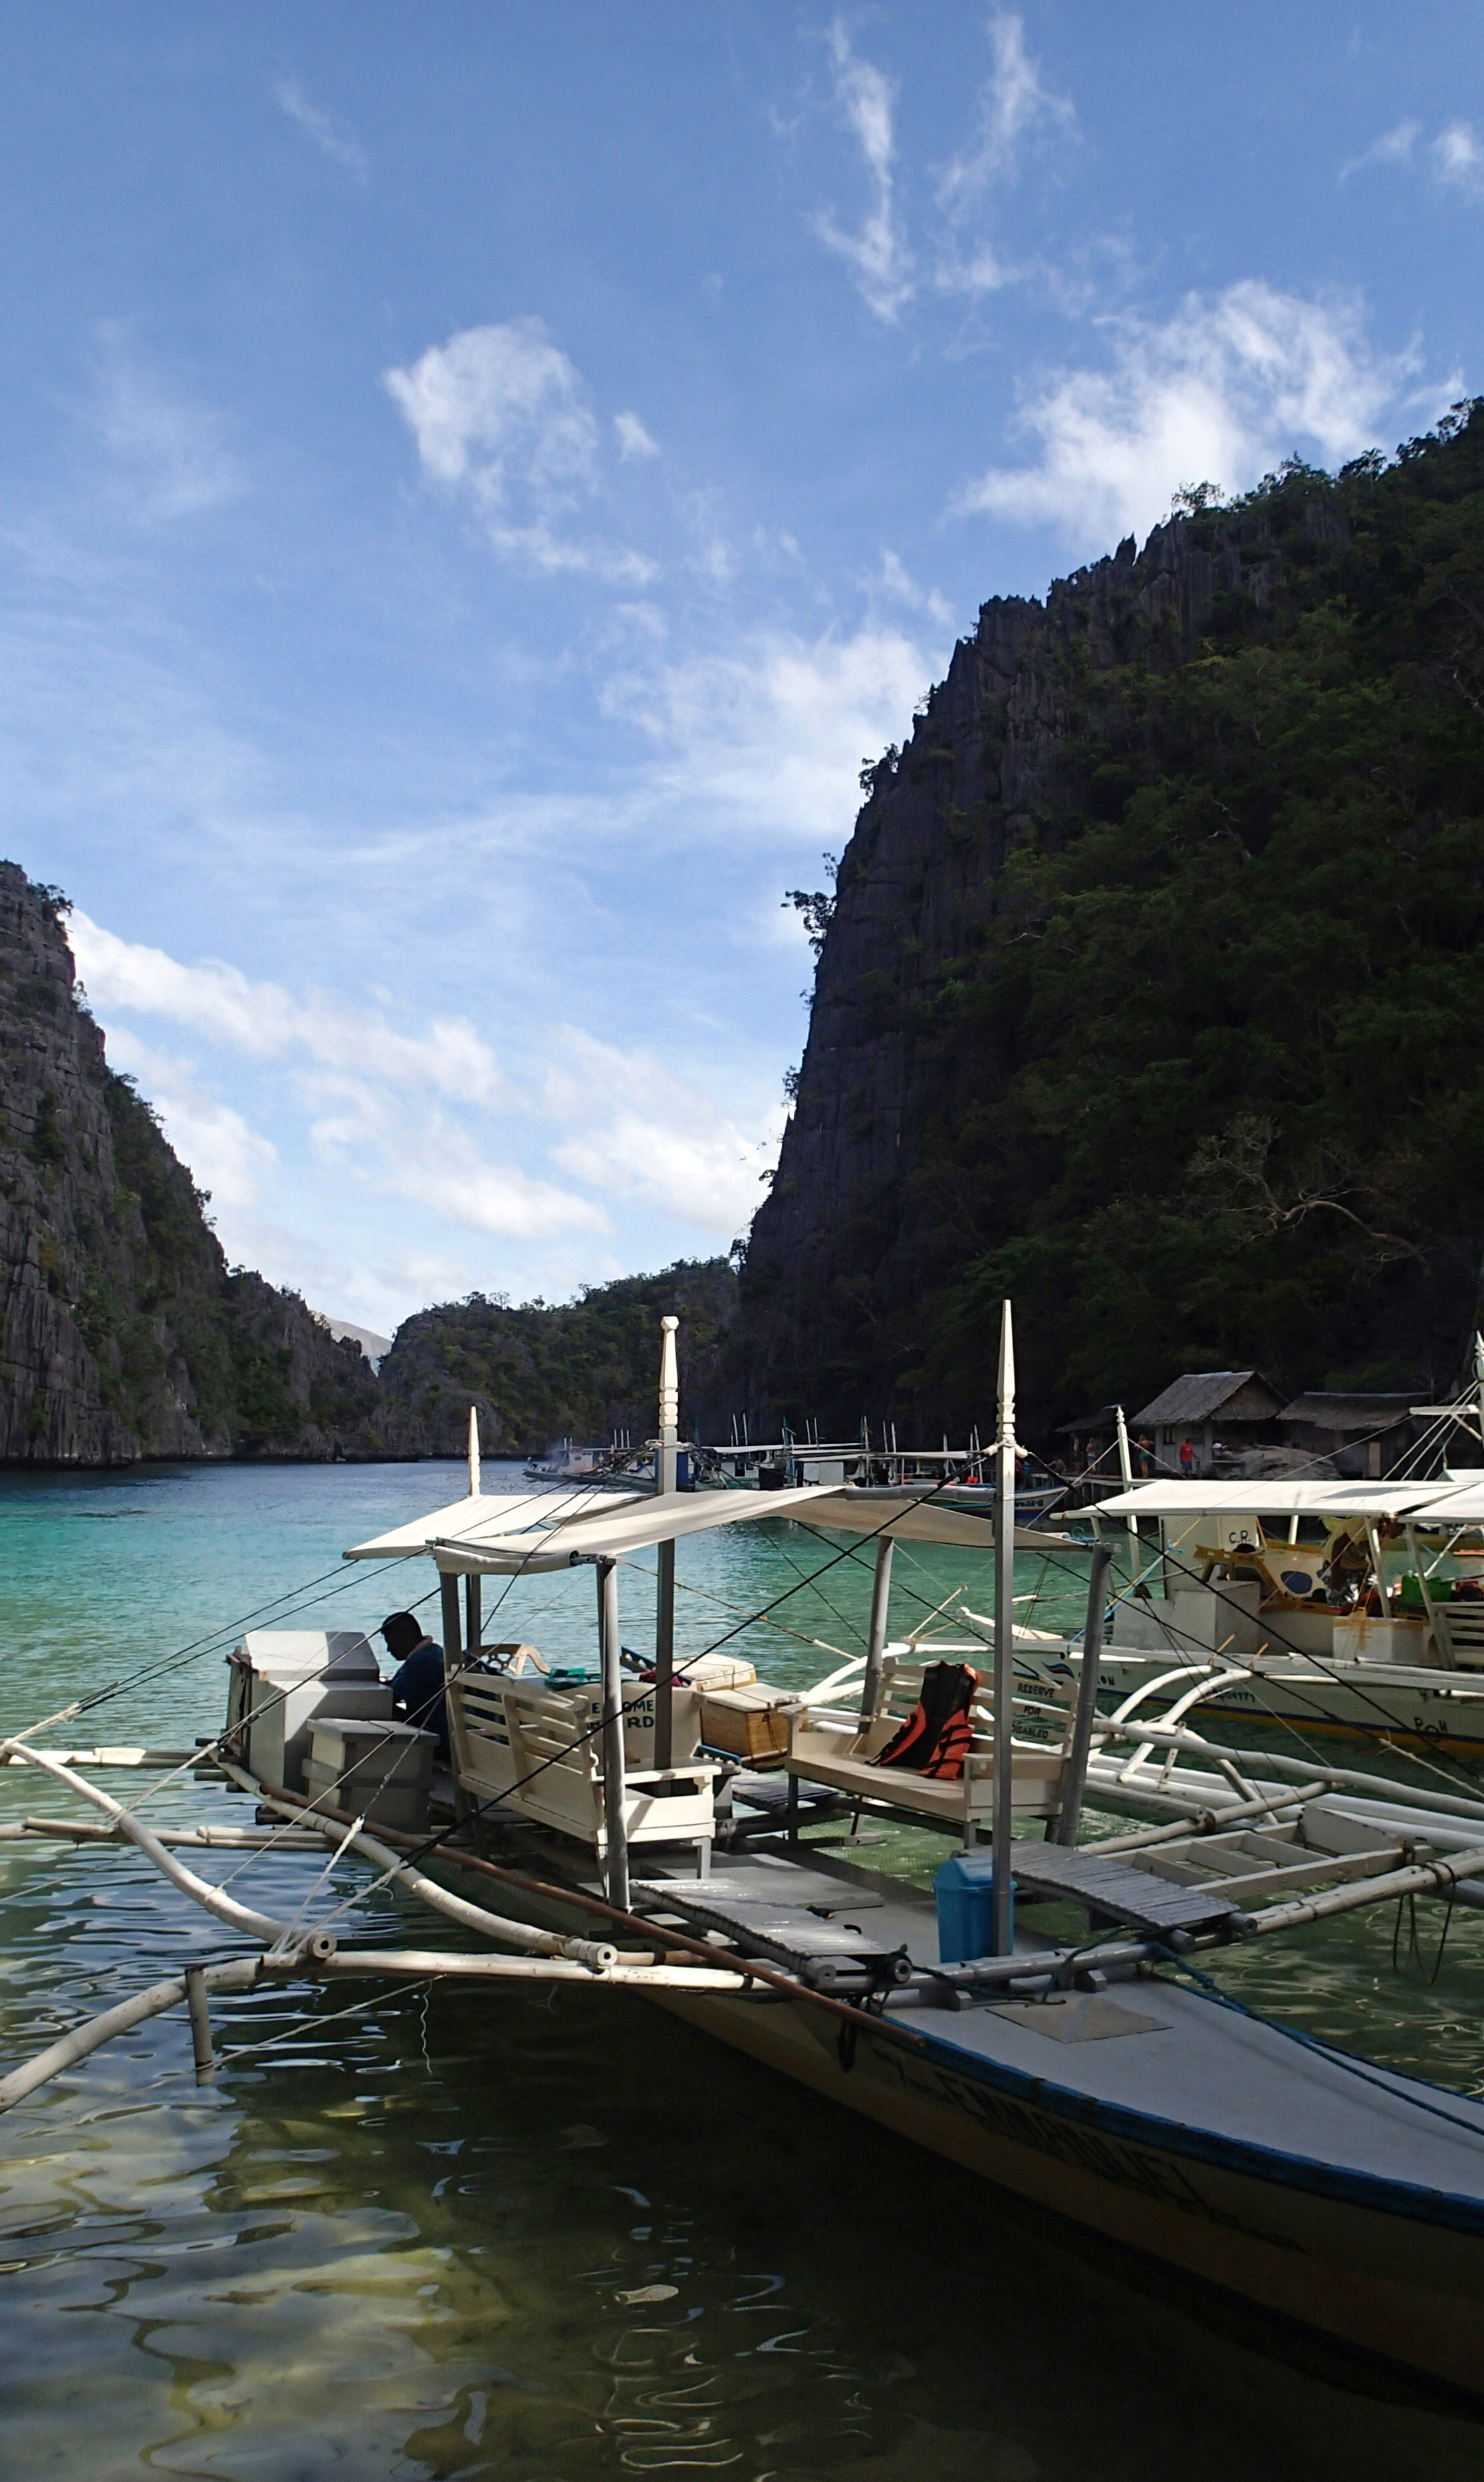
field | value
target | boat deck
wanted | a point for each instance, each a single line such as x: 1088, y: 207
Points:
x: 1149, y: 2056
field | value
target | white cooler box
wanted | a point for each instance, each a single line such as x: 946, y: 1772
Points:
x: 382, y: 1772
x: 282, y: 1679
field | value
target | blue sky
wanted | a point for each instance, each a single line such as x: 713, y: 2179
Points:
x: 477, y: 481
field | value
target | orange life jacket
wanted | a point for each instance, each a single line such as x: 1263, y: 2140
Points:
x: 935, y: 1739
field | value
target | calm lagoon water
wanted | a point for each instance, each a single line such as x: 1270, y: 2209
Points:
x: 549, y: 2236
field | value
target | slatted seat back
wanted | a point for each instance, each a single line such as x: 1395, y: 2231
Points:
x: 1465, y: 1624
x: 539, y: 1751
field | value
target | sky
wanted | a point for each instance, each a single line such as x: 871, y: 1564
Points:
x: 476, y: 482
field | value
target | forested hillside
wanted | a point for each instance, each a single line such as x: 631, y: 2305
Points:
x: 1153, y: 992
x: 548, y: 1371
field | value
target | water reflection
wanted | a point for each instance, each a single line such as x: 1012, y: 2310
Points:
x: 552, y: 2235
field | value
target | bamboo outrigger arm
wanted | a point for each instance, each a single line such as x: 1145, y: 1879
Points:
x: 240, y: 1918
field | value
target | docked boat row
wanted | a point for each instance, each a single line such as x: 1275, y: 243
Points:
x: 1044, y: 2006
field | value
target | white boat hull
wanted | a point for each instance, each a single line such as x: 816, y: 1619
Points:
x: 1420, y: 1706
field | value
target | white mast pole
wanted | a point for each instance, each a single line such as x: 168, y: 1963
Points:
x: 473, y: 1585
x: 665, y: 1463
x: 615, y: 1788
x: 1002, y: 1940
x: 1126, y: 1469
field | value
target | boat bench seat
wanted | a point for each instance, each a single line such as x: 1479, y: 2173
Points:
x: 537, y: 1753
x: 829, y: 1749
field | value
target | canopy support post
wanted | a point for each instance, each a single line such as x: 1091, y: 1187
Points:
x: 1435, y: 1618
x: 1075, y: 1770
x: 665, y: 1472
x: 1002, y: 1933
x: 473, y: 1614
x: 876, y: 1643
x: 616, y: 1877
x: 453, y: 1642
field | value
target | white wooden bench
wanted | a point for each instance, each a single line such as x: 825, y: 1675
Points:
x: 537, y: 1753
x: 837, y: 1750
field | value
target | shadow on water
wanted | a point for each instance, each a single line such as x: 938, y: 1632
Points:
x: 457, y: 2238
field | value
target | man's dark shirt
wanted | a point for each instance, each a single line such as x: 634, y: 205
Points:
x: 417, y: 1692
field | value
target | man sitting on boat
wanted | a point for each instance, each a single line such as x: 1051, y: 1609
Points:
x: 417, y: 1683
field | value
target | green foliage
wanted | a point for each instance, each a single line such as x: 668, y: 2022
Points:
x: 1227, y: 1030
x: 549, y: 1371
x: 48, y: 1143
x: 1207, y: 1084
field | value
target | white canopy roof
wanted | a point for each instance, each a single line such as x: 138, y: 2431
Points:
x: 1281, y: 1497
x: 487, y: 1513
x: 1464, y: 1506
x: 546, y: 1530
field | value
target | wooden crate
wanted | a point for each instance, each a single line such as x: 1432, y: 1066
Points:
x: 750, y: 1723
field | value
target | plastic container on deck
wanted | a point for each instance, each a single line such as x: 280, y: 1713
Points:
x: 965, y: 1889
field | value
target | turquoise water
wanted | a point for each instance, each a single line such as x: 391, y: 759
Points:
x: 548, y: 2236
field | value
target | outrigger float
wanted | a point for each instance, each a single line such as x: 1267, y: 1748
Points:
x: 653, y: 1834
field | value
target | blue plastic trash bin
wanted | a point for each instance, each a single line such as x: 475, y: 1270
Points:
x: 965, y: 1889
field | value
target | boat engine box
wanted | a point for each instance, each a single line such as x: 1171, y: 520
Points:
x: 965, y: 1889
x: 382, y: 1771
x: 281, y: 1679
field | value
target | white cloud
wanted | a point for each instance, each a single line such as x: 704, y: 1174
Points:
x: 396, y: 1149
x: 896, y: 581
x: 633, y: 438
x: 167, y: 449
x: 329, y: 135
x: 1218, y: 393
x: 768, y: 742
x: 1456, y: 155
x: 877, y: 253
x: 225, y: 1155
x: 1394, y: 146
x: 501, y: 414
x: 1013, y: 105
x: 426, y: 1117
x: 982, y: 271
x: 264, y: 1021
x: 1458, y: 159
x: 645, y: 1134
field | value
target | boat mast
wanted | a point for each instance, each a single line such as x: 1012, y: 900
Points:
x: 1126, y: 1469
x: 1002, y: 1936
x: 615, y: 1787
x: 473, y: 1586
x: 665, y: 1465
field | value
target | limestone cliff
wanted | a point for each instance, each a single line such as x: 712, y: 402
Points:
x: 1139, y: 959
x: 124, y: 1335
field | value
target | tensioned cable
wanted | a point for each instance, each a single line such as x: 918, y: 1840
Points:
x: 215, y: 1638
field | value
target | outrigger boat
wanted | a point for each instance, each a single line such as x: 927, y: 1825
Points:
x: 1336, y: 1606
x: 1080, y: 2056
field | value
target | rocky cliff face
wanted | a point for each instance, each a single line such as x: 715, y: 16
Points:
x: 122, y: 1333
x: 921, y: 1147
x: 917, y: 881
